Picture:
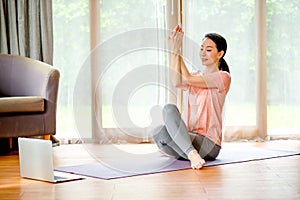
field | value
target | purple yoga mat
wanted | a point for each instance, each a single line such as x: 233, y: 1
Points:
x: 156, y: 163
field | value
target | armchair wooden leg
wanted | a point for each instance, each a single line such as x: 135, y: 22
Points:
x: 10, y: 143
x: 46, y: 137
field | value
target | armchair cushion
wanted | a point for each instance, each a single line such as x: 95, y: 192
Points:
x: 22, y: 104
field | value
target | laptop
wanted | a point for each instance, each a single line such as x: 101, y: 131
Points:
x: 36, y: 161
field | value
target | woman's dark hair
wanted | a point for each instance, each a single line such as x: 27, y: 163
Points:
x: 221, y: 46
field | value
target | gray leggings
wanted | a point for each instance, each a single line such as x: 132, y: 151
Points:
x: 174, y: 139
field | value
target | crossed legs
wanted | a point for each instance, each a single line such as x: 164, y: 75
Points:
x: 174, y: 138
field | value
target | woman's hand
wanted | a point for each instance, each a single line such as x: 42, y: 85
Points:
x: 175, y: 40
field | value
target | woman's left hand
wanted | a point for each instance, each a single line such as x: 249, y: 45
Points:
x: 175, y: 40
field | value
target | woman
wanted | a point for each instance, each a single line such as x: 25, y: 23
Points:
x: 201, y: 139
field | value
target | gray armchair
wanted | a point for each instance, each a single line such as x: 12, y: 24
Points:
x: 28, y: 97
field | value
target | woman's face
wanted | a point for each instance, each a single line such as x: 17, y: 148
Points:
x: 209, y: 54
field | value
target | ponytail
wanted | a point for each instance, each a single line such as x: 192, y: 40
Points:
x: 223, y: 65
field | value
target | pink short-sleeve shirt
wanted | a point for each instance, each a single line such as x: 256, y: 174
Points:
x: 205, y: 106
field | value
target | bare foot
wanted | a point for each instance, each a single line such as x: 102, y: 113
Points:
x: 196, y: 161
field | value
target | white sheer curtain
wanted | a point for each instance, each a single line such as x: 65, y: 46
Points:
x: 283, y: 61
x: 71, y: 47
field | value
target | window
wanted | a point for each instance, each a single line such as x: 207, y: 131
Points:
x: 96, y: 91
x: 127, y: 85
x: 283, y: 67
x: 120, y: 19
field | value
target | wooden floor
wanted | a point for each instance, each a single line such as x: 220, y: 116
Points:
x: 267, y: 179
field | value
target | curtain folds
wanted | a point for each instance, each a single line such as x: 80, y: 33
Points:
x: 27, y: 29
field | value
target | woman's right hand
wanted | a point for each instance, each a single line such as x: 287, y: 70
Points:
x: 175, y: 40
